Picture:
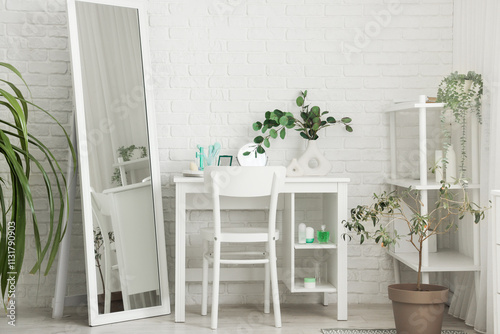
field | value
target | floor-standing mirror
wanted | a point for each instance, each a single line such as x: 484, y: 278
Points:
x: 119, y: 167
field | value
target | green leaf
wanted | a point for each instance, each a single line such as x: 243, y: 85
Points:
x: 247, y: 153
x: 315, y: 126
x: 348, y: 128
x: 258, y: 139
x: 257, y: 126
x: 282, y: 133
x: 315, y: 110
x: 273, y: 133
x: 300, y: 101
x: 331, y: 120
x: 267, y: 143
x: 305, y: 93
x: 346, y: 120
x: 260, y: 149
x: 268, y: 114
x: 284, y: 120
x: 303, y: 135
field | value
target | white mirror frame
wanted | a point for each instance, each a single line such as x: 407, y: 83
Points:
x: 93, y: 313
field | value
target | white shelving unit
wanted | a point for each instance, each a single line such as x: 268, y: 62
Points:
x: 334, y: 207
x: 131, y: 166
x: 443, y: 260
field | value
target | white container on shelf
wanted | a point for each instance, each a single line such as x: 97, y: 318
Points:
x: 438, y: 162
x: 302, y: 233
x: 451, y: 167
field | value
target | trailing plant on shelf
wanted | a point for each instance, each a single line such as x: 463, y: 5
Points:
x: 126, y: 153
x: 310, y: 122
x: 17, y: 146
x: 462, y: 95
x: 374, y: 221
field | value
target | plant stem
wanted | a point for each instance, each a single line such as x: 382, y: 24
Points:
x: 419, y: 274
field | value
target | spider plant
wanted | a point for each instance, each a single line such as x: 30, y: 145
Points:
x: 17, y: 145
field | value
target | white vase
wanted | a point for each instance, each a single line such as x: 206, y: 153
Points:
x: 451, y: 167
x: 438, y: 163
x: 311, y: 162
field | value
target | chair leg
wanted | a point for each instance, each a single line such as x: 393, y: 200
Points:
x: 267, y: 284
x: 204, y: 283
x: 215, y: 284
x: 274, y: 284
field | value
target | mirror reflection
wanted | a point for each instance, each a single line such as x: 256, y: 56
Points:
x: 118, y: 152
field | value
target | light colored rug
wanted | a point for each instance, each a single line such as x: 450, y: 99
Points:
x: 375, y: 331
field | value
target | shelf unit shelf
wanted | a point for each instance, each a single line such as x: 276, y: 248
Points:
x: 442, y: 260
x: 298, y: 259
x: 329, y: 245
x: 298, y: 286
x: 431, y: 184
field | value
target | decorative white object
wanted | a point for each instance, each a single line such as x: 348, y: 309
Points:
x: 302, y: 233
x: 294, y: 169
x: 438, y: 161
x: 251, y: 159
x: 451, y: 167
x: 309, y: 235
x: 311, y: 162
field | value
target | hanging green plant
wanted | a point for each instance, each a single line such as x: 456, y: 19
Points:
x: 16, y: 144
x: 462, y: 95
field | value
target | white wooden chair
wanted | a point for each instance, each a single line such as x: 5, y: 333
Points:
x: 242, y: 182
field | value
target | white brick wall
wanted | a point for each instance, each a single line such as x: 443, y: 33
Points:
x: 219, y: 65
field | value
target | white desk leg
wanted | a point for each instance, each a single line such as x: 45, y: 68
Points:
x: 180, y: 253
x: 397, y: 275
x: 341, y: 253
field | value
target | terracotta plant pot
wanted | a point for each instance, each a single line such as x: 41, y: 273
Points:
x: 418, y: 312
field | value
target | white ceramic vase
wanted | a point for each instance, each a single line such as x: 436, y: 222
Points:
x: 311, y: 162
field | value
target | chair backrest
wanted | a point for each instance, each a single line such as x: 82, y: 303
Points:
x: 244, y: 182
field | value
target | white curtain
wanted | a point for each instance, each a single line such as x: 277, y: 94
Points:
x: 113, y: 85
x: 476, y: 47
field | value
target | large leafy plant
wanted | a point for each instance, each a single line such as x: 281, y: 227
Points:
x: 311, y: 120
x: 16, y: 147
x: 462, y: 94
x: 374, y: 221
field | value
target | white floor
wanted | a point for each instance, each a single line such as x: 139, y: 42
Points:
x: 244, y: 319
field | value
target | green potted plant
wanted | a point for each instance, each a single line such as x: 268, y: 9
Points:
x: 374, y: 222
x: 310, y: 121
x: 462, y: 95
x: 17, y: 145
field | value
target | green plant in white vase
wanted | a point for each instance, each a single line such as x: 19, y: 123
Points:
x: 310, y: 122
x: 462, y: 95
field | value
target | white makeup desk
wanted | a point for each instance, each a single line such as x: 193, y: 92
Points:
x: 190, y: 195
